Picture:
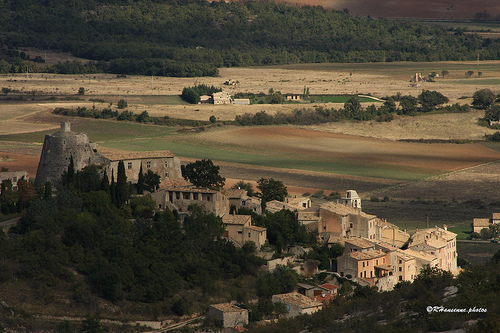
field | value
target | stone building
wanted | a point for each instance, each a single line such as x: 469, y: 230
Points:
x: 181, y: 197
x: 239, y: 230
x: 297, y: 304
x: 14, y: 177
x: 228, y: 314
x: 58, y: 148
x: 161, y: 162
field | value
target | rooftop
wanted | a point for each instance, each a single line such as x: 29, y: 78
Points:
x: 122, y: 155
x: 236, y: 219
x: 254, y: 227
x: 360, y: 243
x: 419, y: 255
x: 496, y: 216
x: 370, y: 254
x: 328, y: 286
x: 227, y: 307
x: 481, y: 222
x: 298, y: 300
x: 341, y: 209
x: 234, y: 193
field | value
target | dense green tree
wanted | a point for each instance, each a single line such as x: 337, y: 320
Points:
x: 483, y: 98
x: 151, y: 181
x: 430, y: 99
x: 140, y: 182
x: 492, y: 113
x: 244, y: 186
x: 203, y: 173
x: 69, y: 177
x: 408, y: 105
x: 271, y: 189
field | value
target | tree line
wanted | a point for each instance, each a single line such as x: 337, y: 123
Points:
x: 194, y: 38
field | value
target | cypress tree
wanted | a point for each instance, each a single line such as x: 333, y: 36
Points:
x: 121, y: 185
x: 140, y: 182
x: 112, y: 188
x: 105, y: 182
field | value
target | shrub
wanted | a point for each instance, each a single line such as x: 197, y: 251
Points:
x: 122, y: 104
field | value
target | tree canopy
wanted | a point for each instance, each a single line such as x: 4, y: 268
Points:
x: 271, y: 189
x: 203, y: 173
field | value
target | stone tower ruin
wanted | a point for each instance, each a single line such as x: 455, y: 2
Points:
x: 57, y: 151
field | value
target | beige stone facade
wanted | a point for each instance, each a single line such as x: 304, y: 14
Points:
x: 439, y: 243
x: 239, y: 230
x: 14, y: 177
x: 163, y: 163
x: 181, y: 197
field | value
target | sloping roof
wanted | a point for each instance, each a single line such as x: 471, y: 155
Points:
x: 297, y: 201
x: 360, y: 243
x: 227, y: 307
x: 256, y: 228
x: 328, y: 286
x: 496, y: 216
x: 172, y: 183
x: 236, y: 219
x: 341, y: 209
x: 418, y: 254
x: 122, y: 155
x: 298, y: 300
x: 481, y: 222
x: 234, y: 193
x: 305, y: 286
x: 370, y: 254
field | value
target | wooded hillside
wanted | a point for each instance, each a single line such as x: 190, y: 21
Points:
x: 194, y: 37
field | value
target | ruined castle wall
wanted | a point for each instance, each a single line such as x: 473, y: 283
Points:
x: 56, y: 154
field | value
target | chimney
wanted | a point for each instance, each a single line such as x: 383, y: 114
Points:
x: 65, y: 126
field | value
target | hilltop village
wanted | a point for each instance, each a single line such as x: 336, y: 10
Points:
x: 376, y: 253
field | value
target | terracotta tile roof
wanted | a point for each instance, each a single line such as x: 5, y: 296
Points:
x: 370, y: 254
x: 191, y: 189
x: 298, y: 300
x: 227, y: 307
x: 122, y: 155
x: 326, y: 300
x: 256, y: 228
x: 360, y: 243
x: 496, y: 216
x: 236, y: 219
x: 481, y: 222
x: 328, y: 286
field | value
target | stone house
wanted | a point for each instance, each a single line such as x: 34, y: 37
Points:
x: 180, y: 197
x: 221, y: 98
x: 162, y: 162
x: 297, y: 304
x: 438, y: 242
x: 300, y: 202
x: 228, y: 314
x: 240, y: 199
x: 239, y: 230
x: 338, y: 221
x: 368, y: 265
x: 309, y: 218
x: 14, y: 177
x: 293, y: 97
x: 480, y: 224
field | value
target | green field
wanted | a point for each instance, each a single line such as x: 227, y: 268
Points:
x: 475, y: 81
x: 139, y: 137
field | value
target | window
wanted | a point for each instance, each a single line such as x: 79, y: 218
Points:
x: 129, y: 165
x: 351, y: 226
x: 148, y: 164
x: 14, y: 179
x: 240, y: 232
x: 208, y: 197
x: 363, y: 264
x: 166, y: 174
x: 367, y: 263
x: 400, y: 261
x: 177, y: 195
x: 383, y: 260
x: 376, y: 262
x: 248, y: 235
x: 400, y: 278
x: 195, y: 196
x: 186, y: 196
x: 166, y: 164
x: 400, y: 268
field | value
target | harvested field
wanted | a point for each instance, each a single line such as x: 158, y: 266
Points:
x: 355, y: 150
